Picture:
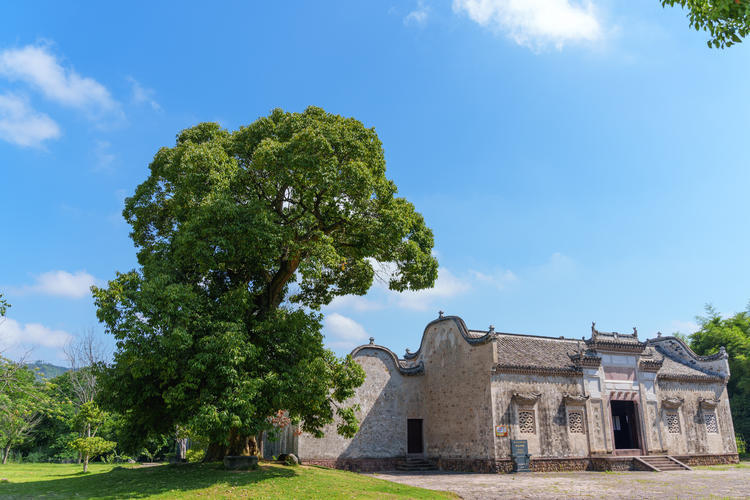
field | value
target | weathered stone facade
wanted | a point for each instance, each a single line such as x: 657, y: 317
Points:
x: 586, y: 404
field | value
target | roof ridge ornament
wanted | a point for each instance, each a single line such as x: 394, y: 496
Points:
x: 492, y: 329
x: 441, y: 314
x: 372, y: 340
x: 635, y: 332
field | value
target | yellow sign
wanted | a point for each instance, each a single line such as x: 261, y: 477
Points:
x: 501, y: 430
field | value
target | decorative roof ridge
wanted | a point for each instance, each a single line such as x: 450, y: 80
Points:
x: 676, y: 359
x: 722, y: 354
x: 489, y: 336
x: 595, y: 333
x: 404, y: 369
x: 533, y: 336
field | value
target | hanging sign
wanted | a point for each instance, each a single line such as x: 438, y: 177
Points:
x: 501, y: 430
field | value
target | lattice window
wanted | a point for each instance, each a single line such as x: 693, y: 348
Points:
x: 673, y: 423
x: 526, y: 422
x: 712, y: 426
x: 575, y: 422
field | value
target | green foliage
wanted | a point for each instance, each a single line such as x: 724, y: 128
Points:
x: 3, y: 306
x: 89, y: 418
x: 241, y: 238
x: 741, y: 445
x: 195, y: 455
x: 733, y: 334
x: 92, y: 446
x: 727, y: 21
x: 23, y: 402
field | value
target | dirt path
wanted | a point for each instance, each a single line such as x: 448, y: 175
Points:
x: 732, y: 483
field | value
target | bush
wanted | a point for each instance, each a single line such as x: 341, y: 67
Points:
x: 36, y: 457
x: 195, y: 455
x: 741, y: 445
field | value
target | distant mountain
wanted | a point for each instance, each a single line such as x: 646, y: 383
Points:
x: 47, y: 370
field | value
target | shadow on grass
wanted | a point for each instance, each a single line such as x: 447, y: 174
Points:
x: 142, y: 482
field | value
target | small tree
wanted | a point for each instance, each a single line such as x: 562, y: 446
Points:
x: 88, y: 420
x: 91, y: 447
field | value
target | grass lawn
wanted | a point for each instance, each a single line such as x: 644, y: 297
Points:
x: 196, y: 481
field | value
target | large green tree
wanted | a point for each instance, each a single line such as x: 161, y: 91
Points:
x: 242, y: 236
x: 727, y: 21
x: 732, y: 333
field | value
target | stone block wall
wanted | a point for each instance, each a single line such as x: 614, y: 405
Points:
x: 386, y: 398
x: 553, y: 436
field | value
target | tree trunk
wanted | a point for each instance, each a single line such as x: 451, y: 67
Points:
x: 6, y: 452
x: 181, y: 449
x: 239, y: 444
x: 86, y: 463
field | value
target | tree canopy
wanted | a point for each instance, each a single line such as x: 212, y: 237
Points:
x: 727, y: 21
x: 242, y: 236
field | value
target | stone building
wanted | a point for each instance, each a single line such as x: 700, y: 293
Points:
x: 595, y: 403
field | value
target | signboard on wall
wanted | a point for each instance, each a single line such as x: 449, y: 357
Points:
x: 501, y: 430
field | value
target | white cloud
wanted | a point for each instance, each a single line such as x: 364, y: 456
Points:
x: 685, y: 327
x: 37, y: 67
x: 21, y: 125
x: 500, y: 279
x: 418, y: 16
x: 13, y: 334
x: 61, y: 284
x: 355, y: 302
x: 447, y: 285
x: 536, y: 23
x: 343, y: 332
x: 558, y: 267
x: 143, y: 95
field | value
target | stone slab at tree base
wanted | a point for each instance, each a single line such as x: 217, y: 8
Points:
x: 240, y: 462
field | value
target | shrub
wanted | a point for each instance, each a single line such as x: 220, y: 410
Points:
x: 195, y: 454
x: 741, y: 445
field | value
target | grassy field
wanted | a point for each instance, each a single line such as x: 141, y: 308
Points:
x: 196, y: 481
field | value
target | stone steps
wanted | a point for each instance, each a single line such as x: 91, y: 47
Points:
x: 415, y: 465
x: 664, y: 463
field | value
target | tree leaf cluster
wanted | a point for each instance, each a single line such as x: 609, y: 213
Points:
x: 727, y: 21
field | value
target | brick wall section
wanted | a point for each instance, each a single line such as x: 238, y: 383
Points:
x: 692, y: 460
x: 356, y: 464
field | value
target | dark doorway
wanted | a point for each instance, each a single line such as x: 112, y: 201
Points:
x: 624, y: 425
x: 414, y: 435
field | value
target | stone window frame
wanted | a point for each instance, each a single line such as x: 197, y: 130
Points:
x: 527, y: 411
x: 711, y: 422
x: 674, y: 426
x: 578, y: 427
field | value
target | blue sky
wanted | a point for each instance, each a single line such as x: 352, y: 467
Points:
x: 577, y: 161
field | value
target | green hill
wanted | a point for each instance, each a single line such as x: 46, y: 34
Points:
x: 47, y: 370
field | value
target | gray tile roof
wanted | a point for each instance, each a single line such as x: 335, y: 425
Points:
x: 536, y: 352
x: 676, y: 368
